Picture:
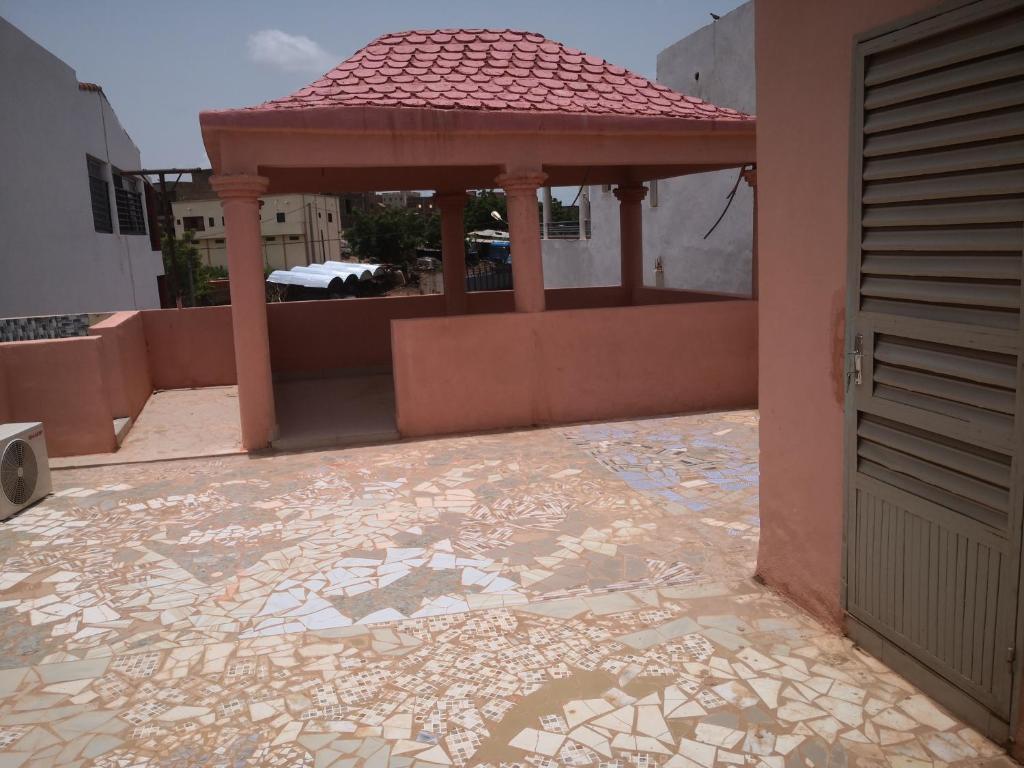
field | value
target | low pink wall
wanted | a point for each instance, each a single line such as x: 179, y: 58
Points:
x: 312, y: 336
x: 125, y: 362
x: 466, y: 374
x: 189, y: 347
x: 61, y: 383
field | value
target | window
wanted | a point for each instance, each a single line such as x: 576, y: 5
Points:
x: 280, y: 217
x: 293, y: 237
x: 219, y: 241
x: 211, y: 222
x: 319, y: 215
x: 269, y: 239
x: 330, y: 216
x: 99, y: 192
x: 131, y: 213
x: 222, y: 221
x: 193, y: 223
x: 348, y: 206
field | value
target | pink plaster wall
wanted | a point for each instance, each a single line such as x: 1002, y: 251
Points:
x: 311, y: 336
x: 803, y: 65
x: 60, y: 382
x: 125, y: 362
x: 575, y: 365
x: 190, y: 347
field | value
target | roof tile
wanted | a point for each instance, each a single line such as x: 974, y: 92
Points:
x: 481, y: 69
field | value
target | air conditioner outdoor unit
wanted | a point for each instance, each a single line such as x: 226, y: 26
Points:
x: 24, y: 467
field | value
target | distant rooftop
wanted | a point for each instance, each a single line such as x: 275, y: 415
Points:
x: 492, y: 70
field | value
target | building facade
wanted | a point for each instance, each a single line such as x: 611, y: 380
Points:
x: 296, y: 229
x: 75, y: 230
x: 715, y: 63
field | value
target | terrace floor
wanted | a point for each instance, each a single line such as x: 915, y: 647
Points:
x: 568, y: 596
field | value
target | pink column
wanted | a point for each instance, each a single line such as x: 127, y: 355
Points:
x: 631, y: 239
x: 524, y: 234
x: 453, y: 250
x: 750, y: 176
x: 239, y: 195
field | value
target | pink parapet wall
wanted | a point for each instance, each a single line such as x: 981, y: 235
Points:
x: 467, y: 374
x: 804, y: 62
x: 125, y: 362
x: 189, y: 347
x: 60, y: 382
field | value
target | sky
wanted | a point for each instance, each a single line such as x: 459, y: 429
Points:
x: 161, y: 63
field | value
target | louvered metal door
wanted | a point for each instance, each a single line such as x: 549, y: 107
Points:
x: 934, y: 492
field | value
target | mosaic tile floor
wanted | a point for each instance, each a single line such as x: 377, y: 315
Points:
x: 573, y: 596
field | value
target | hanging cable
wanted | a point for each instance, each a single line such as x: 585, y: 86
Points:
x: 729, y: 198
x: 586, y: 175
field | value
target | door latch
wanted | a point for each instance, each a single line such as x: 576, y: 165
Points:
x: 855, y: 362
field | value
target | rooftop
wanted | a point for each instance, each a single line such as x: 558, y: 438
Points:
x: 565, y: 596
x: 484, y: 69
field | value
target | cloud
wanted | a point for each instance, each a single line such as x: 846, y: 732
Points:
x: 292, y: 53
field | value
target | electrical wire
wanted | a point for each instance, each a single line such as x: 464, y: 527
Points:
x: 729, y: 198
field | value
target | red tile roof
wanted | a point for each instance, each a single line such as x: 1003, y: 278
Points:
x: 90, y: 87
x: 492, y: 70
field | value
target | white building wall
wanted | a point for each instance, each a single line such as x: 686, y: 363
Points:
x: 52, y: 261
x: 723, y: 55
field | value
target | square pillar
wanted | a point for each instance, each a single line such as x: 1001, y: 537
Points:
x: 240, y: 197
x: 631, y: 239
x: 524, y: 236
x: 453, y: 249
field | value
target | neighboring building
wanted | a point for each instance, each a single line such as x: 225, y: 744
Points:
x: 414, y: 201
x: 75, y: 231
x: 297, y: 229
x: 715, y: 63
x: 352, y: 203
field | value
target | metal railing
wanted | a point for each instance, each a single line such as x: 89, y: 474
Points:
x: 488, y: 276
x: 567, y: 230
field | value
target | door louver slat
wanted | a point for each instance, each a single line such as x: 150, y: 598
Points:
x: 974, y: 73
x: 944, y: 214
x: 946, y: 107
x: 980, y: 267
x: 984, y: 128
x: 904, y: 64
x: 943, y: 292
x: 969, y: 185
x: 975, y: 158
x: 968, y: 393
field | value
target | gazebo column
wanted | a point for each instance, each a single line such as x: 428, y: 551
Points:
x: 631, y: 239
x: 524, y: 236
x: 239, y: 195
x: 453, y: 250
x: 750, y: 176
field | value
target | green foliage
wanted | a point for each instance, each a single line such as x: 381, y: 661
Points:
x: 188, y: 278
x: 392, y: 235
x: 478, y: 211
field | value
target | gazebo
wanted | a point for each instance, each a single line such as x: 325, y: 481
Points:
x: 454, y: 110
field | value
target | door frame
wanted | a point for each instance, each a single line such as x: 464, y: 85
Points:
x: 944, y: 15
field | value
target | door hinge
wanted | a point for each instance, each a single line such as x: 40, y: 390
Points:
x: 855, y: 362
x: 1011, y: 654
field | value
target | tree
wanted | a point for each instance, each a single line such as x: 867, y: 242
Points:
x: 478, y: 211
x: 391, y: 235
x: 188, y: 277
